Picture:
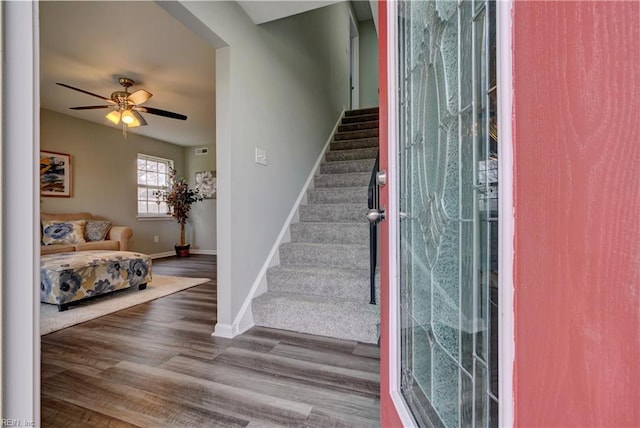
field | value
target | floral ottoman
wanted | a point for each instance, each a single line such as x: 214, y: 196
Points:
x: 68, y: 277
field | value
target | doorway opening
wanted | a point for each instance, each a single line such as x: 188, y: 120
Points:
x: 354, y: 63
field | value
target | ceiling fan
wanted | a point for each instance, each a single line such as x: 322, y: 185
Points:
x: 126, y: 107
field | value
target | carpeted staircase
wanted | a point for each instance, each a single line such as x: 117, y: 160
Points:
x: 322, y: 284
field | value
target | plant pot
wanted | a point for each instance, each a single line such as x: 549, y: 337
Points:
x: 182, y: 250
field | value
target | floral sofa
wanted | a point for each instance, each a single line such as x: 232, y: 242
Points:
x: 82, y: 231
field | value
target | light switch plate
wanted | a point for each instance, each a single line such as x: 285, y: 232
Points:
x: 261, y: 156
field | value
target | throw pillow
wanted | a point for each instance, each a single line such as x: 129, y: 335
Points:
x: 63, y: 232
x: 96, y: 230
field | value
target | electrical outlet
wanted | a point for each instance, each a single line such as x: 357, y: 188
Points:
x: 156, y: 239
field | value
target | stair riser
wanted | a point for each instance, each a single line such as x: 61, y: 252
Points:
x: 342, y: 286
x: 343, y: 167
x: 344, y: 155
x: 355, y: 233
x: 362, y: 118
x: 342, y: 180
x: 342, y: 213
x: 357, y: 126
x: 319, y: 318
x: 347, y: 195
x: 352, y: 135
x: 363, y: 143
x: 343, y: 257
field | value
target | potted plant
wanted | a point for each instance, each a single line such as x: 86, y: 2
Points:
x: 179, y: 198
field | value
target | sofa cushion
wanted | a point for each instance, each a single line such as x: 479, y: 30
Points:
x: 63, y: 232
x: 96, y: 230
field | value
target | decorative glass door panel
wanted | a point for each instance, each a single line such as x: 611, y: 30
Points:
x: 447, y: 163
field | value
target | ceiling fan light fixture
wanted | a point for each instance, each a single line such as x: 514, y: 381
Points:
x: 140, y: 121
x: 114, y: 117
x: 128, y: 117
x: 126, y: 107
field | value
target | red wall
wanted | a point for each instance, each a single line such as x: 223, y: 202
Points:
x: 577, y: 209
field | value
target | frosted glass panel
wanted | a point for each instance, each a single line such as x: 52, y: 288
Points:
x: 447, y: 165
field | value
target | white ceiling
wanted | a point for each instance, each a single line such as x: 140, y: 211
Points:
x: 89, y: 44
x: 266, y: 11
x: 261, y: 11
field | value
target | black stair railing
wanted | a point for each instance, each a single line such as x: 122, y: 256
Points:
x: 374, y: 204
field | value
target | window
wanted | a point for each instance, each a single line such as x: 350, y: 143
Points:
x: 153, y: 175
x: 447, y: 163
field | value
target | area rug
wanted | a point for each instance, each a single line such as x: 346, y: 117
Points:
x: 51, y: 320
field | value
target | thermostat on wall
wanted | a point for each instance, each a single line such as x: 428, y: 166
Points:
x: 202, y: 151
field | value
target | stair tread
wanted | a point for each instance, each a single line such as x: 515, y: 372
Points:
x: 364, y: 133
x: 344, y: 174
x: 359, y: 149
x: 323, y: 281
x: 347, y: 120
x: 338, y: 195
x: 356, y: 151
x: 363, y: 124
x: 347, y: 161
x: 346, y: 204
x: 354, y: 143
x: 339, y: 233
x: 325, y: 254
x: 342, y: 189
x: 328, y: 223
x: 368, y: 122
x: 362, y: 111
x: 326, y: 245
x: 334, y: 301
x: 322, y: 270
x: 347, y: 165
x: 342, y: 318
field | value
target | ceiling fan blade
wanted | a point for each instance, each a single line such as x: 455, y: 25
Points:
x: 139, y: 120
x: 86, y: 92
x: 139, y: 96
x: 89, y: 107
x: 161, y: 112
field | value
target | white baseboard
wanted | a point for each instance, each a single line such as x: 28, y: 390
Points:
x: 205, y: 252
x: 173, y: 253
x: 228, y: 331
x: 161, y: 255
x: 223, y: 330
x: 244, y: 319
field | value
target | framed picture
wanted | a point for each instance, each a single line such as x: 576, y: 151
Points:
x: 55, y: 174
x: 206, y: 183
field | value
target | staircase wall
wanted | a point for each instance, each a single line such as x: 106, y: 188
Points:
x: 244, y: 319
x: 321, y: 285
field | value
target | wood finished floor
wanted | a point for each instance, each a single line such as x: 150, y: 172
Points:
x: 157, y: 365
